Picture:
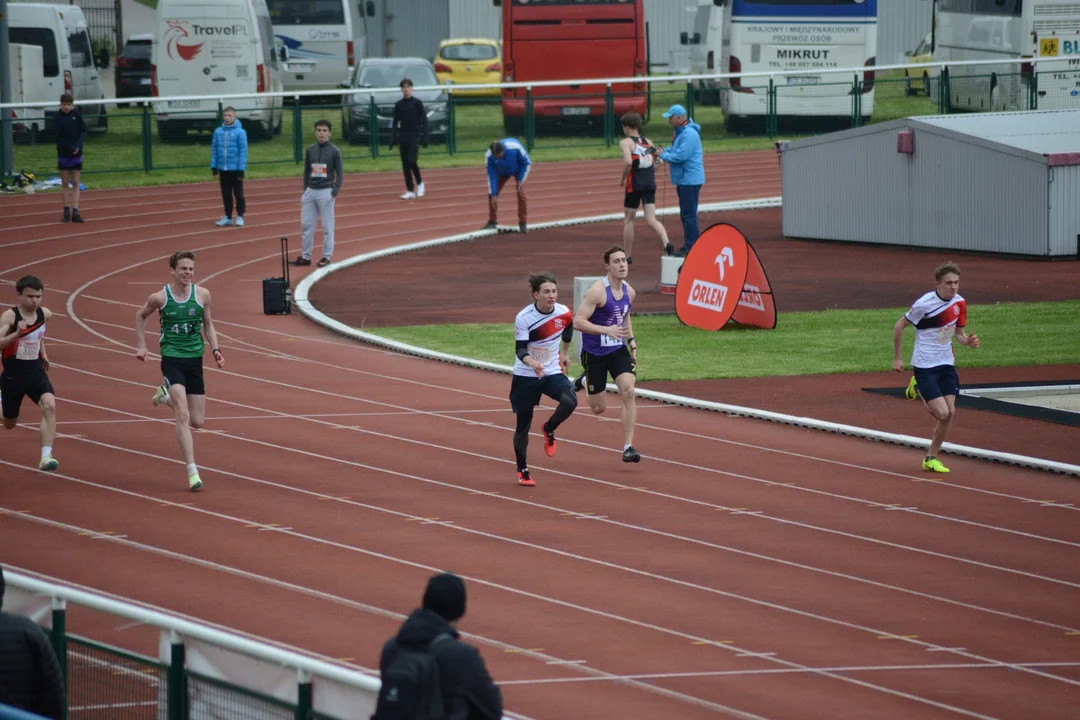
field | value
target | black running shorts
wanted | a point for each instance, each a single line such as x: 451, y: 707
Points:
x: 184, y: 371
x: 14, y: 387
x: 525, y: 392
x: 633, y: 198
x: 597, y: 368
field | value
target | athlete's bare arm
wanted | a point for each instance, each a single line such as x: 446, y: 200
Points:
x: 7, y: 320
x: 208, y: 327
x: 898, y: 342
x: 972, y: 340
x: 594, y: 299
x: 627, y: 147
x: 153, y: 303
x: 631, y: 342
x: 42, y: 353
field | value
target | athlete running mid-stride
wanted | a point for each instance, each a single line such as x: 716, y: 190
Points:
x: 608, y: 345
x: 26, y: 364
x: 939, y: 317
x: 542, y: 335
x: 185, y: 314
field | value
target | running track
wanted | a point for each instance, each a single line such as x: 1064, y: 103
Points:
x: 743, y: 569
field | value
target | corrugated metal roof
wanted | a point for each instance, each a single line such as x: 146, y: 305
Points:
x: 1045, y: 132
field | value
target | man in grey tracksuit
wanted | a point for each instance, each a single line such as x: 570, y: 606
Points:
x: 322, y: 181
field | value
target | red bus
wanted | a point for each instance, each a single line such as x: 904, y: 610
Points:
x: 567, y: 40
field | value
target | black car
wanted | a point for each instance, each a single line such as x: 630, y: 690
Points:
x: 133, y: 68
x: 387, y: 73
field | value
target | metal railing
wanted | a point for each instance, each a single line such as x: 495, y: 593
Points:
x: 201, y: 671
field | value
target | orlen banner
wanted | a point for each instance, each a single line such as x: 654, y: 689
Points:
x: 723, y: 279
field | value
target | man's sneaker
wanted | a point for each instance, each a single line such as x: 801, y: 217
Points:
x: 48, y: 463
x: 492, y: 225
x: 224, y: 221
x: 67, y: 215
x: 912, y: 391
x: 522, y: 228
x: 303, y: 261
x: 194, y: 483
x: 631, y: 455
x: 75, y: 216
x: 161, y: 395
x: 240, y: 221
x: 933, y: 465
x: 525, y: 479
x: 323, y: 262
x: 549, y: 442
x: 579, y: 383
x: 408, y: 195
x: 420, y: 190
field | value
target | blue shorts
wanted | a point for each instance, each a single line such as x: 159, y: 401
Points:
x: 938, y: 381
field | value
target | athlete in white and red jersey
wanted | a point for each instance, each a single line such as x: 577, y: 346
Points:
x: 938, y: 317
x: 639, y: 177
x: 542, y: 334
x: 26, y: 364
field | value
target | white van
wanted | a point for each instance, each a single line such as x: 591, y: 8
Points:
x: 325, y: 39
x: 706, y: 42
x: 67, y: 59
x: 215, y: 47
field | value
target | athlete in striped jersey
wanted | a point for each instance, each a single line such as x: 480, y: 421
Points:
x: 639, y: 178
x: 26, y: 364
x: 542, y: 334
x: 185, y: 316
x: 939, y: 317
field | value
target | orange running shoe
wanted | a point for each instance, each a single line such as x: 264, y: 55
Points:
x: 525, y: 479
x: 549, y: 442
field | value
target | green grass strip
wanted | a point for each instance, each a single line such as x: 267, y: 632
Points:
x: 803, y: 343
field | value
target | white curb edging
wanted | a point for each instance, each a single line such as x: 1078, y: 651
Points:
x: 303, y: 304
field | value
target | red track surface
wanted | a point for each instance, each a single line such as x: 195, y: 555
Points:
x: 741, y: 566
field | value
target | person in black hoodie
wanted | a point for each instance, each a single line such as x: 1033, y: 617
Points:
x: 410, y: 130
x: 468, y: 691
x: 70, y: 131
x: 30, y: 675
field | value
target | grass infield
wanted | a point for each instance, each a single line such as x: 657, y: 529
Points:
x: 803, y: 343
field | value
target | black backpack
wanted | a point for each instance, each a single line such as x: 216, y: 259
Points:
x: 410, y: 686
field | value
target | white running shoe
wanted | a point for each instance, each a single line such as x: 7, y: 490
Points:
x: 224, y: 221
x: 408, y: 195
x: 420, y: 190
x: 161, y: 395
x: 239, y: 221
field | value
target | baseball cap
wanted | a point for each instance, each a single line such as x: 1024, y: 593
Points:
x: 675, y: 110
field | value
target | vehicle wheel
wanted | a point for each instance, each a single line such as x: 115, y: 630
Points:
x: 926, y: 84
x: 997, y: 99
x: 908, y: 90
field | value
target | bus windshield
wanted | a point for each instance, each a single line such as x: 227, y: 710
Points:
x: 307, y: 12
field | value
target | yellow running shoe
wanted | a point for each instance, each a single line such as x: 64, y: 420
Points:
x: 912, y: 389
x: 48, y: 463
x: 934, y: 465
x: 161, y: 395
x: 194, y: 483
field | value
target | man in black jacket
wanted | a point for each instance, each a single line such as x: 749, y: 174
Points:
x: 410, y: 130
x: 468, y: 691
x: 30, y: 677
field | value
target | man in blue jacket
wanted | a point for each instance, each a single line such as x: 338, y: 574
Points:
x: 687, y: 171
x: 228, y: 161
x: 506, y: 159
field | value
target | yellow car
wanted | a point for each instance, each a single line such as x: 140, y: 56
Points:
x: 920, y: 81
x: 470, y: 61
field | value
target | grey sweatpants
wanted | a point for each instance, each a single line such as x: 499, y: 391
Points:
x: 315, y: 205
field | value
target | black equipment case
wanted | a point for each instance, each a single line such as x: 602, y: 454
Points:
x: 277, y: 296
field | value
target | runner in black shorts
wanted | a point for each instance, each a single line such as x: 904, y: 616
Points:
x: 26, y: 364
x: 639, y: 179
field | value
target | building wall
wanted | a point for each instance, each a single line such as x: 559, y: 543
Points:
x: 902, y: 24
x: 407, y: 28
x: 1064, y: 236
x: 476, y: 19
x: 950, y: 194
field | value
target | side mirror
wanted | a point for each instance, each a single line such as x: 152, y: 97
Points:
x: 345, y: 85
x: 697, y: 38
x: 909, y: 53
x: 684, y: 38
x: 369, y: 8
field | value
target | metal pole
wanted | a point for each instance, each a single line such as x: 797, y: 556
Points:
x: 7, y: 150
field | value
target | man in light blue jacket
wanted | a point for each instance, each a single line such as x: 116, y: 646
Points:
x: 687, y: 171
x: 228, y: 161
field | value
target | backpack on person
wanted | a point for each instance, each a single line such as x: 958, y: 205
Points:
x: 410, y: 686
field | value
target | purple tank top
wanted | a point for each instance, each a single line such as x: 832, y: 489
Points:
x: 612, y: 312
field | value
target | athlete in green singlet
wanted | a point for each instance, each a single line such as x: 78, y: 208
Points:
x: 185, y: 315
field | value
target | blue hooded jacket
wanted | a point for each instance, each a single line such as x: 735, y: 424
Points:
x: 685, y: 156
x: 228, y: 150
x: 514, y: 163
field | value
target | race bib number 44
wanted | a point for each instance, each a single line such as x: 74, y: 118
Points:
x: 608, y: 341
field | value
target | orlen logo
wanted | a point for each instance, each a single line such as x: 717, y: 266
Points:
x: 711, y: 279
x: 176, y: 44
